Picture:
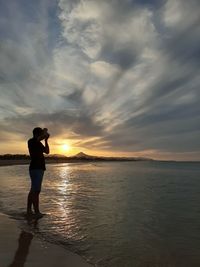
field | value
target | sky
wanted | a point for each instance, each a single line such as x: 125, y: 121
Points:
x: 113, y: 78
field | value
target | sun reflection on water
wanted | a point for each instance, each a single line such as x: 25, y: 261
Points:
x: 64, y: 173
x: 67, y: 190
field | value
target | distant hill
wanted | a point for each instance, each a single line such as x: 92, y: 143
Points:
x: 82, y: 155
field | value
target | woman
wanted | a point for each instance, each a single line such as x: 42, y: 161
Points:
x: 36, y: 168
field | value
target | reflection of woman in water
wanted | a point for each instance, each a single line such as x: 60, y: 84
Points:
x: 21, y: 254
x: 36, y: 168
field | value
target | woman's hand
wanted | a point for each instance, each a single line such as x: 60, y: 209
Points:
x: 47, y: 136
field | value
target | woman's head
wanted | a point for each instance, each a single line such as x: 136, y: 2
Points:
x: 38, y: 133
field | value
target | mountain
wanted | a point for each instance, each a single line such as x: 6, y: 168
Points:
x: 82, y: 155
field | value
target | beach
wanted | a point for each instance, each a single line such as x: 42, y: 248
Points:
x: 20, y: 248
x: 110, y: 214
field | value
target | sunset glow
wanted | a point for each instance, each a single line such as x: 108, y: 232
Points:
x: 62, y: 147
x: 105, y: 77
x: 65, y: 147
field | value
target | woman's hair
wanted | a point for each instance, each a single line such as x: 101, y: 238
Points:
x: 37, y: 131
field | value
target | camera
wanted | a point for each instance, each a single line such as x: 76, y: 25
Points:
x: 45, y: 133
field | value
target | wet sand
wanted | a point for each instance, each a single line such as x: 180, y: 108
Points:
x: 20, y: 248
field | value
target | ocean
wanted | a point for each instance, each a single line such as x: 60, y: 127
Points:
x: 114, y: 214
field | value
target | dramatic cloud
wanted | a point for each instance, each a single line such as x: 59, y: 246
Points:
x: 118, y: 77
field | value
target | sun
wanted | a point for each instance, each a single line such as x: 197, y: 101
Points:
x: 65, y: 147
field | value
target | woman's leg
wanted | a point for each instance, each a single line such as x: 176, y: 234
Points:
x: 29, y: 202
x: 36, y: 176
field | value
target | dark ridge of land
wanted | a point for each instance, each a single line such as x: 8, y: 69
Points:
x: 15, y: 159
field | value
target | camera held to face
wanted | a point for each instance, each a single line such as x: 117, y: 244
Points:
x: 45, y: 133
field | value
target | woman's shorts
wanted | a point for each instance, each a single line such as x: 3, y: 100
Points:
x: 36, y: 176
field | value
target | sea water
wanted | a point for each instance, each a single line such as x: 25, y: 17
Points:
x: 115, y: 214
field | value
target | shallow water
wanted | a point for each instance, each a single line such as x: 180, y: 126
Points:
x: 126, y: 214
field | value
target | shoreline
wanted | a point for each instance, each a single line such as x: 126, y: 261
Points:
x: 10, y: 162
x: 21, y: 247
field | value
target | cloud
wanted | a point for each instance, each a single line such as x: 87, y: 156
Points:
x: 58, y: 122
x: 118, y: 75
